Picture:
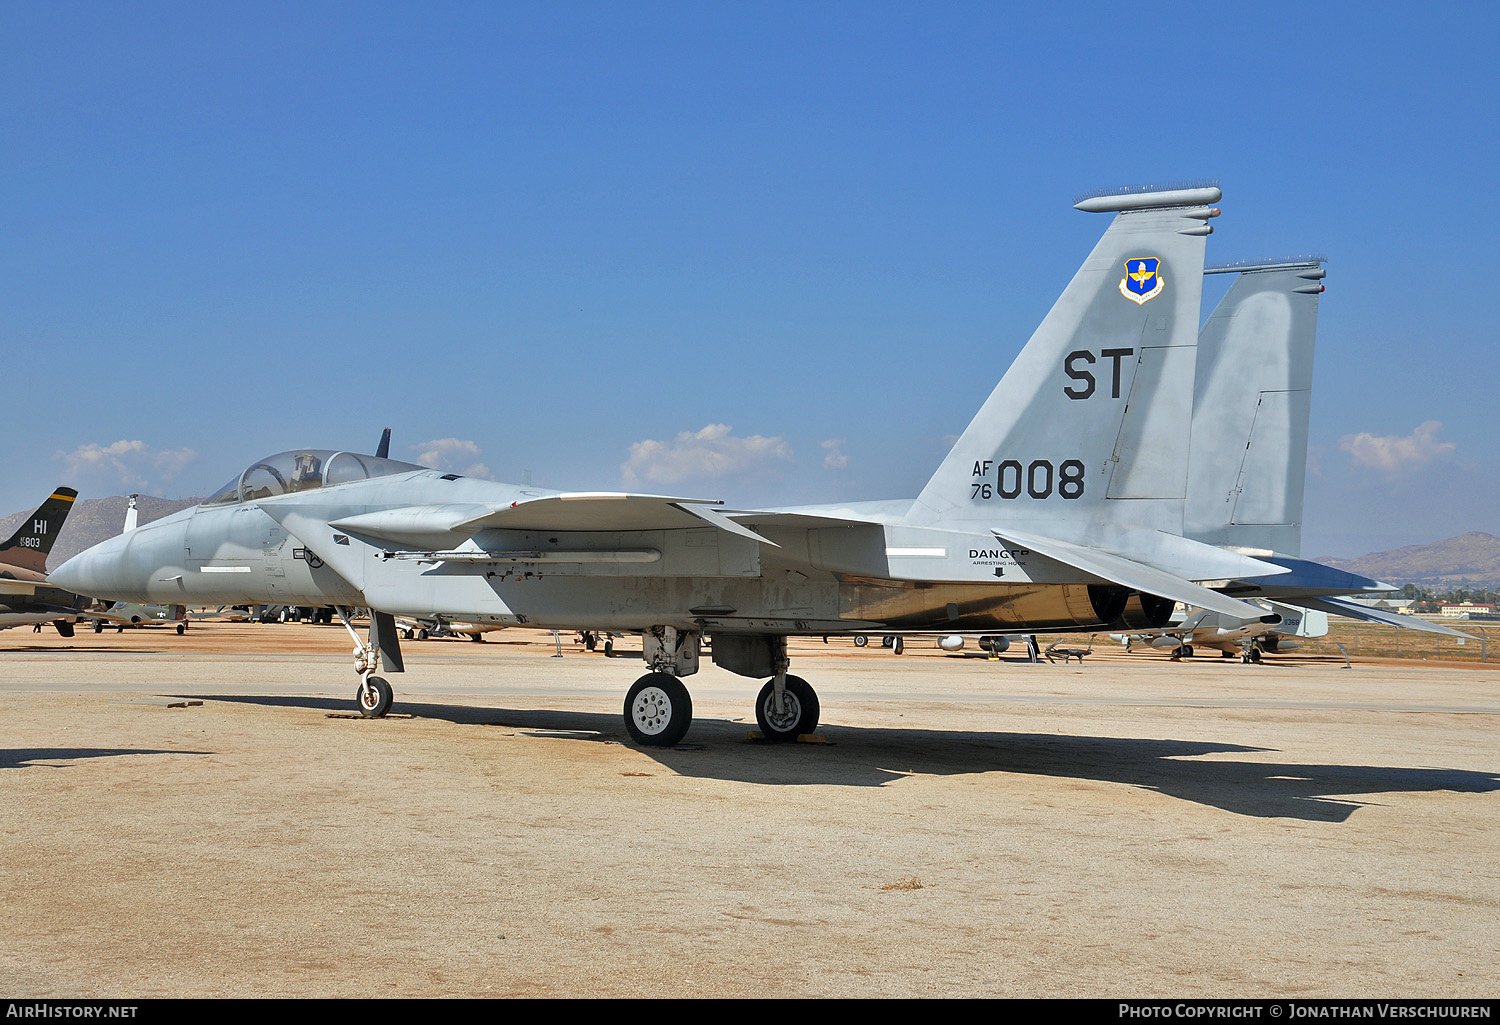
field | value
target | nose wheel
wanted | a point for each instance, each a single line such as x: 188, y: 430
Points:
x: 374, y: 697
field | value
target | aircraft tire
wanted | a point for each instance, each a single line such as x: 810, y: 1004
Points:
x: 98, y: 626
x: 181, y: 629
x: 422, y: 634
x: 609, y: 647
x: 801, y: 715
x: 860, y: 640
x: 897, y: 645
x: 1187, y: 651
x: 376, y: 701
x: 1254, y: 654
x: 658, y: 710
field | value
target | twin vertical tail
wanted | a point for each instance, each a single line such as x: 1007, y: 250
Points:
x: 1091, y: 423
x: 29, y: 546
x: 1251, y: 407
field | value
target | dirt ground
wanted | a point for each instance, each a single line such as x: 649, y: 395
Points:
x: 202, y: 816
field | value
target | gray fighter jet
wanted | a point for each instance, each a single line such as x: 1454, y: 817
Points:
x: 27, y: 597
x: 1061, y: 506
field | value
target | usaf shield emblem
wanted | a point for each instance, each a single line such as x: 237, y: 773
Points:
x: 1142, y: 279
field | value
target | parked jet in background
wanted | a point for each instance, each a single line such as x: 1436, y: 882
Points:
x: 440, y: 626
x: 1053, y: 510
x: 123, y: 613
x: 1199, y: 628
x: 26, y: 597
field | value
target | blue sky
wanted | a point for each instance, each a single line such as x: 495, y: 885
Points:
x: 762, y: 252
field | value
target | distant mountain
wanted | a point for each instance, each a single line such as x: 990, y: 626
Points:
x: 1471, y: 559
x: 96, y: 519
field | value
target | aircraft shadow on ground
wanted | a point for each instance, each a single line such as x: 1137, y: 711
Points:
x: 866, y: 756
x: 15, y: 758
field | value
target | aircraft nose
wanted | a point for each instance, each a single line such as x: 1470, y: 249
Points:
x: 103, y: 571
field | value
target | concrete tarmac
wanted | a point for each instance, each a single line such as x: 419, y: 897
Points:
x: 1127, y: 827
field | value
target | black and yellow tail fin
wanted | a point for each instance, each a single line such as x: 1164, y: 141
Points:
x: 29, y: 545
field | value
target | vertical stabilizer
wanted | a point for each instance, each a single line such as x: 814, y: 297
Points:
x: 29, y: 545
x: 1252, y: 402
x: 1053, y: 448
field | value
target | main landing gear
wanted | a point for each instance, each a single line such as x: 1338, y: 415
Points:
x: 796, y: 713
x: 659, y: 710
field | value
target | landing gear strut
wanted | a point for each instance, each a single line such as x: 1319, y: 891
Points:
x: 374, y: 695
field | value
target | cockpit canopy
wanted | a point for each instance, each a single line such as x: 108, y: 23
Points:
x: 304, y: 469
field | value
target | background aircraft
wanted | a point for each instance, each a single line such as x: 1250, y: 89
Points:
x: 26, y: 597
x: 1199, y: 628
x: 440, y: 626
x: 1053, y: 510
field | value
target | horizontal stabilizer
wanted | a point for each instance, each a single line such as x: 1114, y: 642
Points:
x: 1137, y: 575
x: 1354, y: 610
x: 1192, y: 560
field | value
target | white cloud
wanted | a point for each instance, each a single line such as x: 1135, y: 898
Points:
x: 128, y: 464
x: 455, y: 455
x: 710, y: 453
x: 1393, y: 454
x: 836, y: 458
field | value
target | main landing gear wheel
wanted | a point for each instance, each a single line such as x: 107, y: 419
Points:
x: 799, y: 716
x: 658, y: 710
x: 860, y: 640
x: 375, y: 699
